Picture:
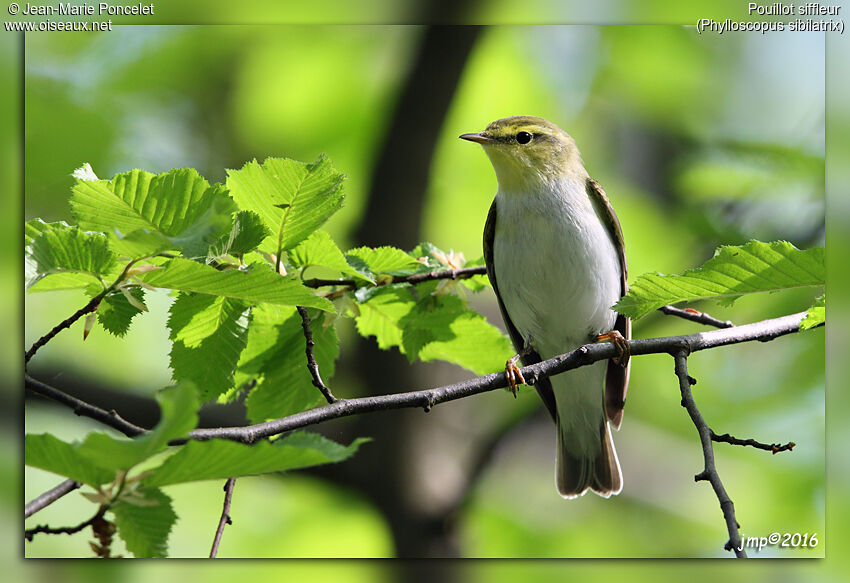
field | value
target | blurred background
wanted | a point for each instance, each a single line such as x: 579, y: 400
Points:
x: 699, y: 140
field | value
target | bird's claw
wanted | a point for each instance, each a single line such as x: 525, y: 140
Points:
x: 623, y: 352
x: 513, y: 374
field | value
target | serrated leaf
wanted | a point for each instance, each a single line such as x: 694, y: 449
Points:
x: 816, y: 314
x: 319, y: 249
x: 219, y: 459
x: 285, y: 385
x: 733, y: 271
x: 208, y: 334
x: 441, y: 327
x: 389, y: 260
x: 246, y: 234
x: 60, y: 248
x: 179, y: 205
x: 51, y: 454
x: 115, y: 312
x: 380, y: 315
x: 257, y: 284
x: 293, y: 198
x: 179, y: 416
x: 145, y: 528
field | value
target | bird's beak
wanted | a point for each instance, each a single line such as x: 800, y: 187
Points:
x: 479, y: 138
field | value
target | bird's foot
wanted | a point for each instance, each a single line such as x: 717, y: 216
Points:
x: 513, y: 374
x: 621, y: 343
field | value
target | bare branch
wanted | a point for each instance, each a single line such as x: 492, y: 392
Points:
x: 584, y: 355
x: 80, y: 407
x: 709, y: 473
x: 91, y: 306
x: 225, y: 516
x: 31, y: 532
x: 312, y: 365
x: 773, y: 448
x: 50, y: 497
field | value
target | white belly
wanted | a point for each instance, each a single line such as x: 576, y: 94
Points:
x: 557, y: 269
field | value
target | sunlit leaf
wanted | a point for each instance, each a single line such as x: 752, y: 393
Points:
x: 292, y: 198
x: 144, y: 528
x: 732, y: 272
x: 60, y: 248
x: 816, y: 314
x: 219, y: 459
x: 319, y: 249
x: 116, y: 312
x: 50, y: 453
x: 257, y: 284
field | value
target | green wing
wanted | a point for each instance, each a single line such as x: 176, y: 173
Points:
x: 617, y: 378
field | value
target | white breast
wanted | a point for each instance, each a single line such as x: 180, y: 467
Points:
x: 556, y: 266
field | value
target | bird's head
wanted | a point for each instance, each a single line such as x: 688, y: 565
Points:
x: 527, y: 150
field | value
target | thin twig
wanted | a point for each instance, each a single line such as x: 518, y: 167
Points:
x: 709, y: 473
x: 695, y: 316
x: 91, y: 306
x: 83, y: 409
x: 312, y: 365
x: 50, y: 497
x: 414, y: 279
x: 773, y: 448
x: 225, y: 516
x: 31, y: 532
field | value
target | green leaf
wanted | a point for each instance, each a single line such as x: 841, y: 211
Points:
x: 50, y: 453
x: 220, y: 459
x: 319, y: 249
x: 388, y: 260
x: 208, y: 334
x: 441, y: 327
x: 380, y: 315
x: 179, y: 205
x: 178, y: 406
x: 285, y: 384
x: 61, y: 248
x: 246, y: 234
x: 733, y: 271
x: 116, y: 312
x: 257, y: 284
x: 144, y: 528
x: 293, y: 199
x: 816, y: 314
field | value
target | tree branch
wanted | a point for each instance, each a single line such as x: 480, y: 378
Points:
x: 31, y: 532
x: 83, y: 409
x: 91, y: 306
x: 50, y: 497
x: 225, y: 516
x: 416, y: 278
x: 709, y: 473
x: 762, y: 331
x: 773, y: 448
x: 695, y: 316
x: 312, y: 365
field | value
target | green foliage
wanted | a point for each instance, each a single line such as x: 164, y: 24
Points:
x: 59, y: 248
x: 51, y: 454
x: 732, y: 272
x: 246, y: 234
x: 381, y: 260
x: 816, y: 314
x: 320, y: 250
x: 116, y: 312
x: 292, y: 198
x: 257, y: 283
x: 284, y: 385
x: 179, y: 206
x: 219, y: 459
x: 144, y: 522
x: 208, y: 334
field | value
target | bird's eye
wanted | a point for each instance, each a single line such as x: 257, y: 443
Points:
x: 523, y: 137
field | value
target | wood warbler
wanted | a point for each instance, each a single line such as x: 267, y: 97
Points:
x: 555, y: 257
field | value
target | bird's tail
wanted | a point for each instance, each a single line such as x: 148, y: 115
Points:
x: 598, y: 470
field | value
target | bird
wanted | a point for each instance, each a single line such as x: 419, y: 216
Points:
x: 555, y: 257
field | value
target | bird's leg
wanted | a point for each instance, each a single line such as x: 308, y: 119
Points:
x: 621, y: 343
x: 512, y: 372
